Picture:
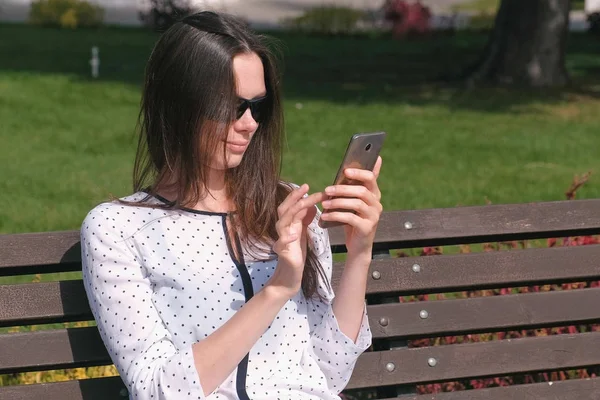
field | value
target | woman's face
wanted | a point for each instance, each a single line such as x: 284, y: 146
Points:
x: 250, y: 84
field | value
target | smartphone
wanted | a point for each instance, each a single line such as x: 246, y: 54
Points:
x: 361, y: 153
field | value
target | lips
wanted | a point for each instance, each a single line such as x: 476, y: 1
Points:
x: 237, y: 147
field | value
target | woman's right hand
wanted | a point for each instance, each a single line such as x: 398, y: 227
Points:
x: 295, y: 213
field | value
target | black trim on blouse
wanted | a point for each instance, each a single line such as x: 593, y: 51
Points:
x: 170, y: 203
x: 242, y: 370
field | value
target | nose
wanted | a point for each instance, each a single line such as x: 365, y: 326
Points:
x: 247, y: 122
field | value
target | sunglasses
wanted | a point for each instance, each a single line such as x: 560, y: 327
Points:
x: 258, y: 108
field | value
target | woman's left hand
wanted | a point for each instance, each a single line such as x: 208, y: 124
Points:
x: 365, y: 202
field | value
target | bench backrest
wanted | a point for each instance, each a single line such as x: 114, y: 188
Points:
x: 398, y: 361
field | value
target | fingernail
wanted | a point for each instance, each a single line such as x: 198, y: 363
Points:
x: 349, y: 172
x: 329, y: 190
x: 326, y: 203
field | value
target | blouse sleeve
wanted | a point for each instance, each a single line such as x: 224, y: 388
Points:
x: 119, y: 293
x: 336, y: 353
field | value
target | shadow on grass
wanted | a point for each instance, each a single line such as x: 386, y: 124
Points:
x: 123, y: 51
x: 347, y: 70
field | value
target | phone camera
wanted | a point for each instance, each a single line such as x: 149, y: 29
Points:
x: 368, y: 147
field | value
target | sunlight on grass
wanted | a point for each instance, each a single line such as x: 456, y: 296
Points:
x: 68, y: 142
x: 47, y: 327
x: 59, y: 276
x: 488, y: 7
x: 28, y: 378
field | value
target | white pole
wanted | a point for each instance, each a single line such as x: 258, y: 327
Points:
x: 95, y: 62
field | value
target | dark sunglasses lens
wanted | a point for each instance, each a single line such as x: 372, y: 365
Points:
x: 259, y: 110
x: 241, y: 109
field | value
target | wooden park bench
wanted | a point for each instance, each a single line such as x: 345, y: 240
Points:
x: 393, y: 367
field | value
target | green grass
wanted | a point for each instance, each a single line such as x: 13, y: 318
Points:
x: 478, y: 6
x: 491, y: 6
x: 67, y: 141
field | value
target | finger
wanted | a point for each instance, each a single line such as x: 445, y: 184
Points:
x: 349, y: 218
x: 291, y: 214
x: 377, y: 167
x: 356, y: 191
x: 283, y: 241
x: 311, y: 213
x: 365, y: 177
x: 292, y: 198
x: 299, y: 216
x: 306, y: 207
x: 351, y: 204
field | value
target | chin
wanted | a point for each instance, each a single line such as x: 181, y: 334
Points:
x: 234, y: 163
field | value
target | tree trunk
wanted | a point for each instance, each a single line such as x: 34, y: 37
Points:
x: 527, y: 45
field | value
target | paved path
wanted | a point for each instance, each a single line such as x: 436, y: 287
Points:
x: 260, y: 13
x: 257, y: 12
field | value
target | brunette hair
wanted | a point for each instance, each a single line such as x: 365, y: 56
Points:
x: 188, y: 105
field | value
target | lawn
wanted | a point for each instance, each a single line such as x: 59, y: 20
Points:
x: 67, y: 141
x: 489, y: 7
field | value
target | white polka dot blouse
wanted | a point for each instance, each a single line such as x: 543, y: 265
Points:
x: 160, y: 280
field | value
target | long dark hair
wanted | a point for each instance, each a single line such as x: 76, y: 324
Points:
x: 188, y: 105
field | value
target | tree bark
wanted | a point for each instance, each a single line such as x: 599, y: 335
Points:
x: 527, y: 45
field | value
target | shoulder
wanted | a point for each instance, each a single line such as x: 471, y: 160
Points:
x: 121, y: 216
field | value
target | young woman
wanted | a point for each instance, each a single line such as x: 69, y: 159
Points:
x: 211, y: 281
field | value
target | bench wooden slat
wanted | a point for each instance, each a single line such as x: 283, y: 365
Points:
x: 62, y: 302
x: 439, y: 273
x: 476, y: 360
x: 65, y: 301
x: 495, y: 269
x: 85, y: 389
x: 40, y: 269
x: 573, y: 389
x: 40, y: 303
x: 113, y: 388
x: 26, y: 249
x: 52, y: 349
x: 439, y: 226
x: 490, y: 223
x: 70, y: 348
x: 486, y: 314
